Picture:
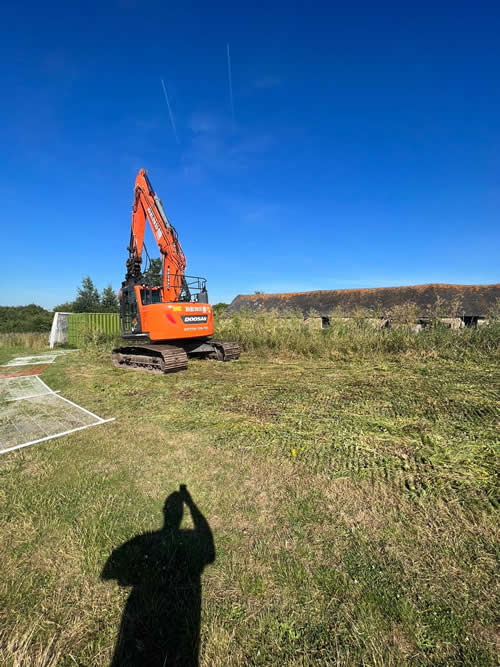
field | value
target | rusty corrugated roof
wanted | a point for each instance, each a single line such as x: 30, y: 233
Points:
x: 467, y: 300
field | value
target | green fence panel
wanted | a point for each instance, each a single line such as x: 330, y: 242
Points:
x: 81, y: 324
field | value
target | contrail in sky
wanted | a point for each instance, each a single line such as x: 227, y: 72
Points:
x: 230, y: 79
x: 174, y: 129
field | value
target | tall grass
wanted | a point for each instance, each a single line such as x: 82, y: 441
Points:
x: 290, y: 336
x: 33, y: 341
x: 19, y: 648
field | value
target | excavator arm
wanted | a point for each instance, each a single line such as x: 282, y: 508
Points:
x: 147, y: 206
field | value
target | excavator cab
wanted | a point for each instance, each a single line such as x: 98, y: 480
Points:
x: 129, y: 312
x: 145, y: 315
x: 150, y: 295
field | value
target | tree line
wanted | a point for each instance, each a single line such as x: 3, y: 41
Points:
x: 25, y: 319
x: 89, y: 300
x: 35, y: 319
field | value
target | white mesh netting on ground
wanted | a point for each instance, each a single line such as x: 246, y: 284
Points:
x: 15, y: 388
x: 31, y: 412
x: 32, y: 360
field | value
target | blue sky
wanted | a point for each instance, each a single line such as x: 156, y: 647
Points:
x: 364, y: 149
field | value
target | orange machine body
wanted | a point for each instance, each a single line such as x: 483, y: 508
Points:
x: 175, y: 320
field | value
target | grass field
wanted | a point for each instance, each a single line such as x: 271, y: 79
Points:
x: 351, y: 495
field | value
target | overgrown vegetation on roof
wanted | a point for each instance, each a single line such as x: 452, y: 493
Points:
x: 447, y: 300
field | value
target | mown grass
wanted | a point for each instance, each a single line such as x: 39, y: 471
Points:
x: 352, y: 499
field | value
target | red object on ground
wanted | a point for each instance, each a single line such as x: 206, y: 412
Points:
x: 36, y: 370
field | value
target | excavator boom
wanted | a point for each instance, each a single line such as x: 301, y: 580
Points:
x: 147, y: 206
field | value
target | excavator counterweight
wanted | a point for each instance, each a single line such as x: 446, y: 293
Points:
x: 170, y: 322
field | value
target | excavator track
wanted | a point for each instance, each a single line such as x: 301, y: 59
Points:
x: 150, y: 358
x: 172, y: 358
x: 228, y: 349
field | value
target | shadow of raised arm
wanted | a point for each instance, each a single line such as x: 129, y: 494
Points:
x: 201, y: 528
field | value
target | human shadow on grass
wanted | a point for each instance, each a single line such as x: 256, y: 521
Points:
x: 161, y: 619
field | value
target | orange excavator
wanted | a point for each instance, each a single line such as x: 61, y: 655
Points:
x: 169, y: 322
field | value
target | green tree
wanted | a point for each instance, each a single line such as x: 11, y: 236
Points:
x: 20, y: 319
x: 109, y: 300
x: 219, y: 308
x: 67, y: 307
x: 88, y: 300
x: 153, y: 274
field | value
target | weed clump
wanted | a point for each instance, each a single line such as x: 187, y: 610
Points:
x: 347, y: 338
x: 29, y: 341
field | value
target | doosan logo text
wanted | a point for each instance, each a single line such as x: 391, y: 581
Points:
x: 187, y: 319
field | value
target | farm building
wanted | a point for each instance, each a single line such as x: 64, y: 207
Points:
x: 457, y: 305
